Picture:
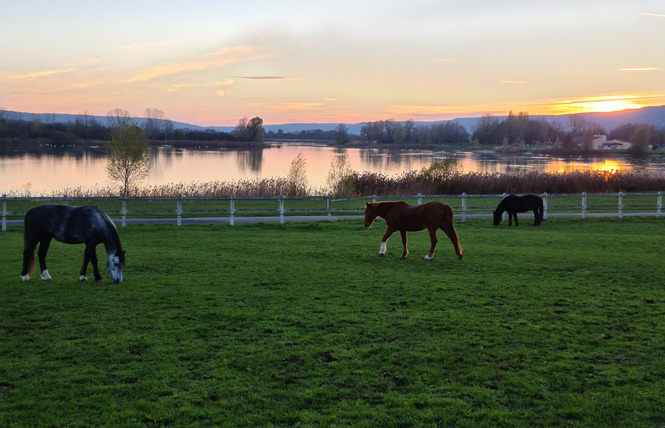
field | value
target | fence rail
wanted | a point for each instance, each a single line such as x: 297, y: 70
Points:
x: 281, y: 208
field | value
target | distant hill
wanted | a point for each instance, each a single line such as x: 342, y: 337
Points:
x: 654, y: 116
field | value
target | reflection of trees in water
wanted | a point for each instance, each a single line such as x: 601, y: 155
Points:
x: 252, y: 159
x: 374, y: 157
x: 38, y: 151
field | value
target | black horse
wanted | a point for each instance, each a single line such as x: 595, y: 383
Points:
x: 87, y: 225
x: 519, y: 204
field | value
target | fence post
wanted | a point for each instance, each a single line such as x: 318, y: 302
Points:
x: 64, y: 200
x: 583, y: 204
x: 373, y: 198
x: 420, y: 198
x: 281, y: 209
x: 620, y: 204
x: 124, y: 210
x: 4, y: 213
x: 659, y: 205
x: 463, y: 207
x: 233, y: 210
x: 179, y: 210
x: 504, y: 216
x: 329, y: 205
x: 545, y: 206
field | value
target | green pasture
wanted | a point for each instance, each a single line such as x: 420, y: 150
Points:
x: 302, y: 324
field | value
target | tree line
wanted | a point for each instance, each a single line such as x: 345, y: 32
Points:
x: 85, y: 127
x: 515, y: 130
x: 522, y: 130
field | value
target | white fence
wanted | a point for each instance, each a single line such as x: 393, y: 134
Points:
x: 231, y: 209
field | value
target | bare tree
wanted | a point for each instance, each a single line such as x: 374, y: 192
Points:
x: 296, y: 180
x: 340, y: 177
x: 154, y: 121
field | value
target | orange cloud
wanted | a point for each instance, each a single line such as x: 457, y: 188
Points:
x: 36, y: 74
x: 212, y: 60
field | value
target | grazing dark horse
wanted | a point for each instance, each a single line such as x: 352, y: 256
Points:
x: 87, y: 225
x: 404, y: 217
x: 519, y: 204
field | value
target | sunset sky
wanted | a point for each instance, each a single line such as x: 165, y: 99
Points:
x: 213, y: 62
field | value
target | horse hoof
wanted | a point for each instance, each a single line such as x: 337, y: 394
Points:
x: 459, y: 257
x: 83, y: 278
x: 25, y: 278
x: 99, y: 280
x: 428, y: 258
x: 380, y: 254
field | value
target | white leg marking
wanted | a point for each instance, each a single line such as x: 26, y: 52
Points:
x: 427, y: 257
x: 45, y: 276
x: 25, y: 277
x: 382, y: 250
x: 83, y: 278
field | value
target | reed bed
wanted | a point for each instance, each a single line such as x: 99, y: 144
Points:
x: 407, y: 183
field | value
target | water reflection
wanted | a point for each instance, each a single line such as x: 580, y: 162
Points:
x: 49, y: 169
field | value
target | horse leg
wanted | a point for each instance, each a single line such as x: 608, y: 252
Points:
x: 515, y: 215
x: 405, y: 252
x: 384, y: 240
x: 28, y: 260
x: 536, y: 217
x: 432, y: 238
x: 86, y: 258
x: 448, y: 228
x: 43, y: 249
x: 91, y: 251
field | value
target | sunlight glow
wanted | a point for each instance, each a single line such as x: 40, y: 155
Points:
x: 599, y: 104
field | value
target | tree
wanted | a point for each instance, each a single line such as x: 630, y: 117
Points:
x: 587, y: 141
x: 241, y: 128
x: 340, y: 177
x: 128, y: 155
x: 254, y: 130
x: 640, y: 139
x: 487, y: 130
x: 341, y: 134
x: 296, y: 180
x: 154, y: 122
x: 250, y: 130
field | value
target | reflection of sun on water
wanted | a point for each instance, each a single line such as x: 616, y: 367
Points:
x: 610, y: 166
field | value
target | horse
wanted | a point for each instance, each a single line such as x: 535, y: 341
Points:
x: 87, y: 225
x: 412, y: 218
x: 519, y: 204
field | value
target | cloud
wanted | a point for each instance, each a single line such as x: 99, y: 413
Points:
x: 638, y: 69
x: 217, y: 59
x: 657, y: 15
x: 289, y: 107
x: 269, y: 78
x: 36, y: 74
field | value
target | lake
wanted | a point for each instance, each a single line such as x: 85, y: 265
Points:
x: 54, y: 170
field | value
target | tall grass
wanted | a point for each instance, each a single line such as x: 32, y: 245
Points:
x: 408, y: 183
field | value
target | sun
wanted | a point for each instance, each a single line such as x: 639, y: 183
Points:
x: 598, y: 104
x: 607, y: 106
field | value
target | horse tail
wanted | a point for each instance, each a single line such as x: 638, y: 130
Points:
x: 31, y: 265
x: 448, y: 227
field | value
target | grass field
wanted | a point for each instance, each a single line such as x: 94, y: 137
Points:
x: 269, y: 325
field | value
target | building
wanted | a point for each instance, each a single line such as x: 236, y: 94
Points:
x: 600, y: 142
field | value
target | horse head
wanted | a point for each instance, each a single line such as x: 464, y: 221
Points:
x: 370, y: 213
x: 497, y: 217
x: 114, y: 264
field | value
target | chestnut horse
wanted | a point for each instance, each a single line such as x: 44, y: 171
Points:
x: 412, y: 218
